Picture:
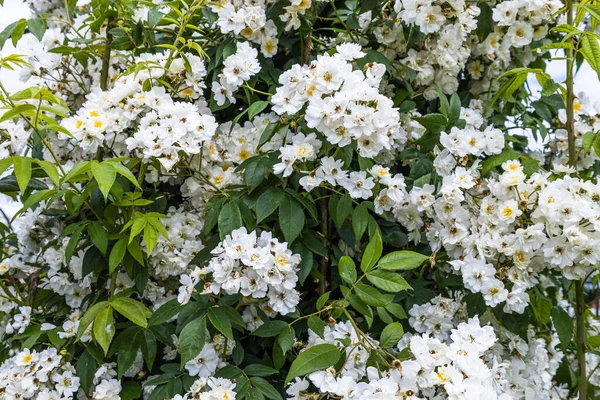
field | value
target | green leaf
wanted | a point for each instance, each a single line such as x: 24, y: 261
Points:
x: 126, y: 173
x: 360, y: 221
x: 291, y: 218
x: 98, y: 236
x: 127, y: 350
x: 269, y: 132
x: 563, y: 323
x: 22, y: 166
x: 116, y: 254
x: 316, y: 358
x: 388, y: 281
x: 260, y: 370
x: 256, y: 108
x: 498, y: 159
x: 104, y: 328
x: 5, y: 34
x: 150, y: 237
x: 316, y: 325
x: 50, y: 170
x: 149, y: 348
x: 90, y: 316
x: 132, y: 309
x: 265, y: 388
x: 542, y: 308
x: 270, y: 328
x: 165, y: 312
x: 220, y: 320
x: 591, y: 51
x: 105, y: 174
x: 268, y: 202
x: 485, y: 22
x: 154, y: 17
x: 434, y: 123
x: 230, y: 218
x: 255, y: 171
x: 16, y: 111
x: 372, y: 252
x: 192, y: 339
x: 391, y: 335
x: 402, y: 260
x: 370, y: 295
x: 73, y: 241
x: 347, y: 270
x: 86, y: 368
x: 37, y: 26
x: 342, y: 211
x: 322, y: 300
x: 130, y: 390
x: 18, y: 31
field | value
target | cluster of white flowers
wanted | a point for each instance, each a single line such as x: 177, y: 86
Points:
x: 105, y: 385
x: 238, y: 68
x: 255, y: 266
x: 443, y: 54
x: 230, y: 146
x: 344, y: 384
x: 171, y: 256
x: 471, y: 140
x: 453, y: 357
x: 501, y: 233
x: 41, y: 376
x: 248, y: 19
x: 210, y: 389
x: 342, y: 103
x: 517, y: 23
x: 160, y: 127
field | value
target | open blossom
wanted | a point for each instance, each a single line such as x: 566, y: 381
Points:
x: 255, y: 266
x: 343, y: 104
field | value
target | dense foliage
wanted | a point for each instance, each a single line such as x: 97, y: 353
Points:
x: 301, y: 200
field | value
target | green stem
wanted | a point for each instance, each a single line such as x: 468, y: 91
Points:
x: 579, y: 285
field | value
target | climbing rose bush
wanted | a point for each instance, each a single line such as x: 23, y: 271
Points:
x: 299, y: 200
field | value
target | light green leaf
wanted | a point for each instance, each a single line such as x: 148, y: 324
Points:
x: 402, y: 260
x: 151, y: 237
x: 104, y: 328
x: 50, y: 170
x: 116, y: 254
x: 347, y: 269
x: 132, y: 309
x: 388, y: 281
x: 22, y: 166
x: 105, y: 175
x: 370, y: 296
x: 89, y: 317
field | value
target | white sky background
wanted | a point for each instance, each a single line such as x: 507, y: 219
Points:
x: 586, y: 79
